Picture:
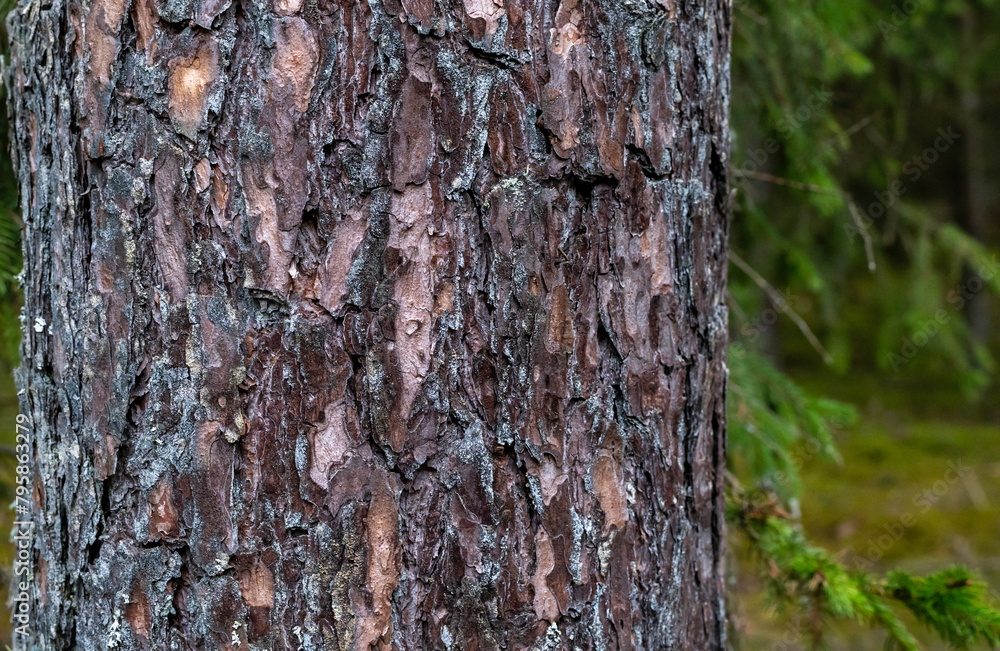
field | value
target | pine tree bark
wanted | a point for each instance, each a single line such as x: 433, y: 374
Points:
x: 396, y: 324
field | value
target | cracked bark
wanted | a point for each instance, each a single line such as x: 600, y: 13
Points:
x: 396, y: 324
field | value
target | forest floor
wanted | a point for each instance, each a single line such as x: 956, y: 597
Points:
x: 918, y: 489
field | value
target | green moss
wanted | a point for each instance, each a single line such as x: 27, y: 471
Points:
x: 918, y: 490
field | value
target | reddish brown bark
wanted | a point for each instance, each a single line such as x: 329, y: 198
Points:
x: 394, y: 325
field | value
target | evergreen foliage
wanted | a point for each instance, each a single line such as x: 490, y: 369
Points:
x: 951, y: 602
x: 847, y: 133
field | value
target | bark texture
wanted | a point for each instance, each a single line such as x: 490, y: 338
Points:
x: 389, y: 324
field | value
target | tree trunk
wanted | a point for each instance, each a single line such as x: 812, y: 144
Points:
x: 975, y: 214
x: 389, y: 324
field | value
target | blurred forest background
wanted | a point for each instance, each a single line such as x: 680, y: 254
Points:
x: 864, y: 411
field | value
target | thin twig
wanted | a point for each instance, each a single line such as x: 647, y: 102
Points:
x: 778, y: 180
x: 819, y: 189
x: 753, y: 15
x: 780, y: 302
x: 854, y: 128
x: 863, y: 230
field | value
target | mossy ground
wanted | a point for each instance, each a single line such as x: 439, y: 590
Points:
x: 896, y: 501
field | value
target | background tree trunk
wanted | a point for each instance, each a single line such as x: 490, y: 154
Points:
x: 396, y: 324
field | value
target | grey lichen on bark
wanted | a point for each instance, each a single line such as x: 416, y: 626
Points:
x: 392, y: 324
